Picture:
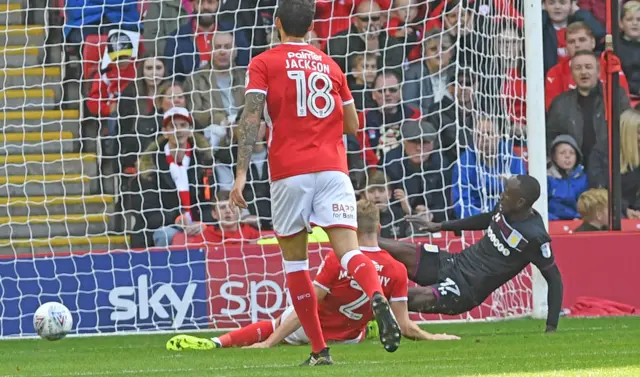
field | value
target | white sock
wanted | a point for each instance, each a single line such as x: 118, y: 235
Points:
x: 296, y: 265
x: 344, y: 262
x: 216, y: 341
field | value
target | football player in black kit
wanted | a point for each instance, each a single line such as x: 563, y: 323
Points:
x: 456, y: 283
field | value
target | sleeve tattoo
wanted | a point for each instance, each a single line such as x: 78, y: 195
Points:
x: 248, y: 128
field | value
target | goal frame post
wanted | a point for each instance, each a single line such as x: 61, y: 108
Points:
x: 536, y: 132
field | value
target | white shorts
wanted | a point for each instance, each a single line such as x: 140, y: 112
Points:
x: 324, y: 199
x: 299, y: 337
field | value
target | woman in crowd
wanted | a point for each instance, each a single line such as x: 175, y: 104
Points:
x: 629, y: 164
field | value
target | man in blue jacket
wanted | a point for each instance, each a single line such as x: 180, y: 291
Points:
x: 481, y: 171
x: 189, y: 48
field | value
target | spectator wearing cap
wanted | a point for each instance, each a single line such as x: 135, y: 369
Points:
x: 383, y: 123
x: 453, y: 115
x: 480, y: 173
x: 217, y: 90
x: 416, y: 167
x: 566, y: 179
x: 175, y: 183
x: 190, y: 47
x: 117, y: 70
x: 425, y: 80
x: 366, y: 34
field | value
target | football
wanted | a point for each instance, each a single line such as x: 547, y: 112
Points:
x: 52, y: 321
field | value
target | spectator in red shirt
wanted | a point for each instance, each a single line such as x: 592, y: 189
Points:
x: 557, y: 14
x: 513, y: 86
x: 228, y: 228
x: 117, y: 70
x: 579, y: 37
x: 406, y: 24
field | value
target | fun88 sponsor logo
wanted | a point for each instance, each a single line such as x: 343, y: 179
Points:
x: 497, y: 244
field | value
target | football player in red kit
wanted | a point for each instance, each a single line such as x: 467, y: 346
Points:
x: 308, y: 107
x: 343, y: 308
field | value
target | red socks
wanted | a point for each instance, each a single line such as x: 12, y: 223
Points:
x: 362, y: 270
x: 246, y: 336
x: 304, y: 301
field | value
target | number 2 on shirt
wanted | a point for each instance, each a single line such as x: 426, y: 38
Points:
x: 309, y: 103
x: 349, y: 309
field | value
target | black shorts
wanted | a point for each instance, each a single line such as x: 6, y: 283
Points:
x: 438, y: 272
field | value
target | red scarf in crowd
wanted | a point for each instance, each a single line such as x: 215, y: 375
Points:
x: 181, y: 178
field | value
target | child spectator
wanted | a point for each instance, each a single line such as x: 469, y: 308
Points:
x: 556, y: 15
x: 362, y: 74
x: 392, y: 213
x: 629, y: 47
x: 117, y: 70
x: 566, y: 179
x: 593, y: 206
x: 227, y: 227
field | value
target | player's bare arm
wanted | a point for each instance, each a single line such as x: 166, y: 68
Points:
x: 247, y: 130
x: 288, y: 326
x: 476, y: 222
x: 410, y: 329
x: 351, y: 123
x: 554, y: 295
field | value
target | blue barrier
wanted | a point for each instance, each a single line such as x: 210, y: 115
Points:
x: 107, y: 292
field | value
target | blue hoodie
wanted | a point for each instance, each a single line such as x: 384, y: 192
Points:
x: 565, y: 188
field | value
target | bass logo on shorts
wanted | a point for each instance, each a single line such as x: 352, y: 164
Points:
x: 343, y: 211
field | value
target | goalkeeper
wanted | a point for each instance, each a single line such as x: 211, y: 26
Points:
x: 342, y: 309
x: 456, y: 283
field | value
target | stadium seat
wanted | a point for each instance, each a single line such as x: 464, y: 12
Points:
x: 563, y: 226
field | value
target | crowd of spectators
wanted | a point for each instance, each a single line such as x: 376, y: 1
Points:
x: 440, y: 88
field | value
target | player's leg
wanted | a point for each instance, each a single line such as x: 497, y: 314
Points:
x: 246, y: 336
x: 334, y: 209
x: 449, y: 296
x: 291, y: 202
x: 403, y: 252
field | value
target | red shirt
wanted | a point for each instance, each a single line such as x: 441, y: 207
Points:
x: 204, y: 43
x: 560, y: 80
x: 514, y: 90
x: 345, y: 311
x: 562, y: 43
x: 306, y: 91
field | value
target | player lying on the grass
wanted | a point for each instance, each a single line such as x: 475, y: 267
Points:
x: 343, y: 306
x: 456, y: 283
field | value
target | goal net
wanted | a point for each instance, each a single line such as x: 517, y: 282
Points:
x: 90, y: 202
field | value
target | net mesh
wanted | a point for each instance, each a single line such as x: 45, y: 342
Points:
x: 88, y: 205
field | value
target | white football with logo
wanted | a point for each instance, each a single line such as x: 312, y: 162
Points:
x: 52, y: 321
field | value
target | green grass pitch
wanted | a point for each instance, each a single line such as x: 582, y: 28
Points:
x: 606, y: 347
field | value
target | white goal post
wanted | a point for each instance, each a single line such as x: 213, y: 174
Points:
x: 82, y: 223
